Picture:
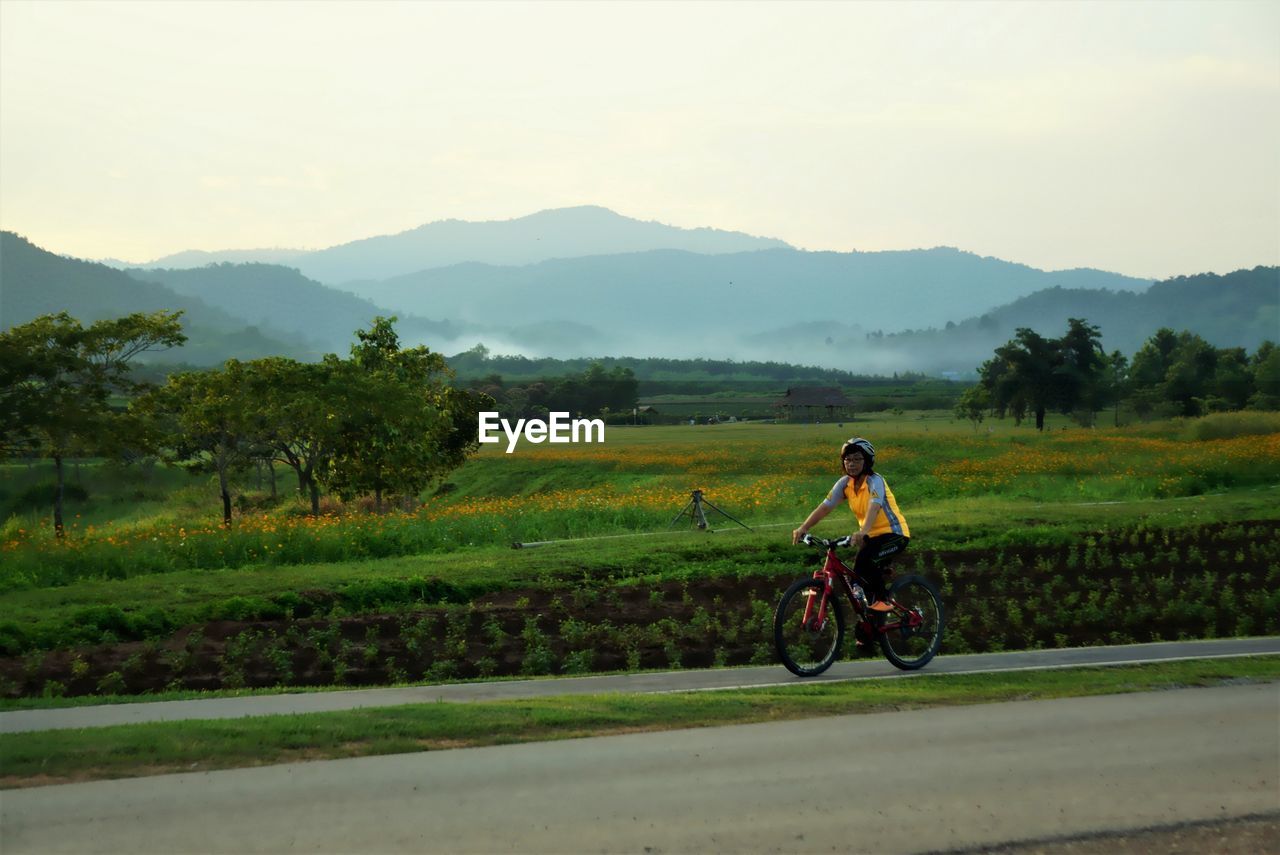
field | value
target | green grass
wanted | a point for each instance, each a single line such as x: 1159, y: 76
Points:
x: 137, y: 522
x: 51, y: 757
x: 973, y: 527
x: 153, y: 605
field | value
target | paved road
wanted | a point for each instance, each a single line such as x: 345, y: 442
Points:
x: 672, y: 681
x: 891, y: 782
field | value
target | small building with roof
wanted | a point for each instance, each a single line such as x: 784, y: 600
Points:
x: 809, y: 403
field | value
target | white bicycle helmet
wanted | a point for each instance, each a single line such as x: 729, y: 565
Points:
x: 862, y: 445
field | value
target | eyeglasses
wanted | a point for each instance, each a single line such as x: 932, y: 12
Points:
x: 848, y: 458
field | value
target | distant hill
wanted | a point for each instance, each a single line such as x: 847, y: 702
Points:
x: 559, y: 233
x: 936, y: 310
x: 35, y: 282
x: 674, y: 302
x: 199, y: 258
x: 281, y: 298
x: 1240, y: 309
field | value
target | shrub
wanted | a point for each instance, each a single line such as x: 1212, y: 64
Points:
x: 1229, y: 425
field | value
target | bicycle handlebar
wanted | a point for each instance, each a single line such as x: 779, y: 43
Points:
x: 810, y: 540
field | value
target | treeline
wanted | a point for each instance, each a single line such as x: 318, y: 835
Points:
x: 660, y: 376
x: 591, y: 392
x: 384, y: 422
x: 1171, y: 374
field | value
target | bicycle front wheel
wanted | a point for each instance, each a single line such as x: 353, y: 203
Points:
x: 807, y: 635
x: 911, y: 634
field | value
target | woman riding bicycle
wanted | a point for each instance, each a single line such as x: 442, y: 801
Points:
x: 882, y: 531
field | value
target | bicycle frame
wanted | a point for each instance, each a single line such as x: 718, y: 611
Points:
x: 832, y: 569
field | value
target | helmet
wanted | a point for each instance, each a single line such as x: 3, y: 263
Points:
x: 862, y: 445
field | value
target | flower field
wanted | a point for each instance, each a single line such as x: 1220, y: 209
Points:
x: 639, y: 481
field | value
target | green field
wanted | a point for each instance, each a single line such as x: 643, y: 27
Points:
x: 1073, y: 536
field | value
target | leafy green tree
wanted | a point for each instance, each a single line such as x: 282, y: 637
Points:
x: 1189, y: 379
x: 1080, y: 373
x: 206, y: 423
x: 1117, y: 380
x: 406, y: 425
x: 1034, y: 373
x: 298, y: 411
x: 57, y: 378
x: 1021, y: 376
x: 1150, y: 367
x: 1266, y: 377
x: 973, y: 405
x: 1233, y: 380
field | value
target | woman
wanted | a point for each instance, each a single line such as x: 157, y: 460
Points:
x: 882, y: 531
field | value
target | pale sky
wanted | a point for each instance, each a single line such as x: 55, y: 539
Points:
x: 1141, y: 138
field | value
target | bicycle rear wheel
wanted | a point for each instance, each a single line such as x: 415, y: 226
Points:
x: 911, y: 634
x: 807, y: 648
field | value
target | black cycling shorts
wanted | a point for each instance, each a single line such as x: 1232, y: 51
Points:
x: 875, y: 556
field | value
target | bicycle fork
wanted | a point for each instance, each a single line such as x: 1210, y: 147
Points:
x: 821, y: 616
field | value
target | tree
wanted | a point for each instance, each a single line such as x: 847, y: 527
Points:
x: 1020, y: 377
x: 1189, y: 379
x: 1034, y: 373
x: 299, y: 410
x: 208, y: 423
x: 57, y: 378
x: 1150, y: 367
x: 1266, y: 377
x: 1233, y: 380
x: 1080, y: 370
x: 406, y: 425
x: 1117, y: 380
x: 973, y: 404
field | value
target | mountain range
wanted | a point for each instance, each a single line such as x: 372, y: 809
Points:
x: 558, y: 233
x: 589, y: 282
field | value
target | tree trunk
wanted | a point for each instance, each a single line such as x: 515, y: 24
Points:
x: 1040, y: 418
x: 377, y: 500
x: 57, y: 497
x: 226, y: 497
x: 315, y: 498
x: 271, y: 468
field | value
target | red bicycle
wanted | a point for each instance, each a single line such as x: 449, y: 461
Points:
x: 809, y: 625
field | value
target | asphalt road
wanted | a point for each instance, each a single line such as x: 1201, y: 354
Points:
x: 891, y: 782
x: 18, y: 721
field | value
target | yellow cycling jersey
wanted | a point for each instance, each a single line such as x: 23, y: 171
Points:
x: 874, y: 491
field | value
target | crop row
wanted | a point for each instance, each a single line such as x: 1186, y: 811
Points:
x: 1131, y: 585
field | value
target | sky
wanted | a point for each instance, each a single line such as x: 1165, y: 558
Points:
x: 1139, y: 138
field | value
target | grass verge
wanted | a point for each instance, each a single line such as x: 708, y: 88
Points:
x: 56, y: 757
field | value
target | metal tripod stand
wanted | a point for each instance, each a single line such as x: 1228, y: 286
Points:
x: 699, y: 517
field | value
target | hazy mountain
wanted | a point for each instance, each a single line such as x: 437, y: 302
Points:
x: 644, y: 301
x: 559, y: 233
x: 35, y: 282
x: 199, y: 258
x: 1240, y: 309
x: 921, y: 310
x: 281, y: 298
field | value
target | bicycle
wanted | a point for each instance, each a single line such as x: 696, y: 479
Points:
x: 809, y: 625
